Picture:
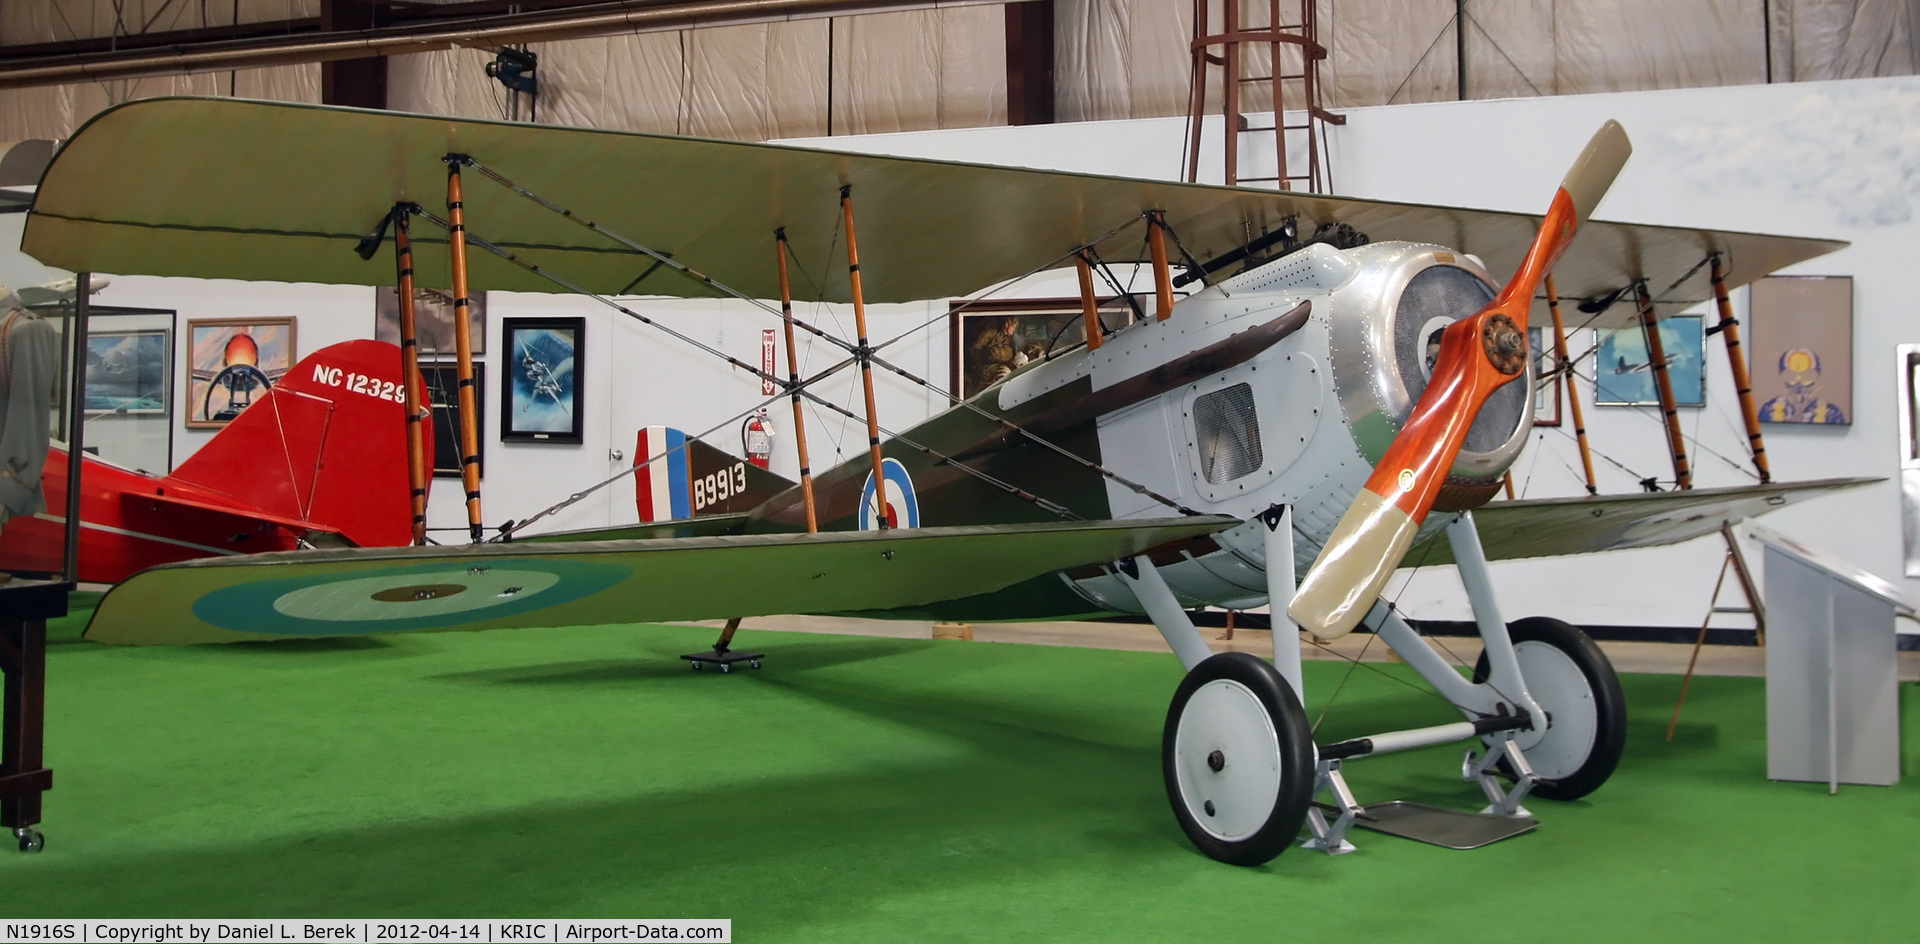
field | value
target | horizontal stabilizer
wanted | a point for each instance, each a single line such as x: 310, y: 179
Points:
x: 1550, y: 527
x: 164, y: 502
x: 359, y: 591
x: 705, y: 526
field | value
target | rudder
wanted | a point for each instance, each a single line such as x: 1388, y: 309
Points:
x: 678, y: 477
x: 326, y: 445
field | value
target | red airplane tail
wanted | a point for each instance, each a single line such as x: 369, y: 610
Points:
x: 325, y: 446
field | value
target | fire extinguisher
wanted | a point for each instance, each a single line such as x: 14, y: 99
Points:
x: 756, y: 438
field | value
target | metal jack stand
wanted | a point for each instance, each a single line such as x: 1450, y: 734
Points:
x: 1480, y: 767
x: 1332, y: 838
x: 721, y: 654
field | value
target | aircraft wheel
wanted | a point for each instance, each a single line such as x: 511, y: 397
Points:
x: 1238, y: 759
x: 1573, y: 681
x: 30, y: 839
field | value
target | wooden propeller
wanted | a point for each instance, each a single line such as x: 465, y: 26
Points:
x: 1477, y: 355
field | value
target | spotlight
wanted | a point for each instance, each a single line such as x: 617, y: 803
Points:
x: 514, y: 68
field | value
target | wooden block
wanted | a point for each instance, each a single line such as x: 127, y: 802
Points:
x: 953, y: 631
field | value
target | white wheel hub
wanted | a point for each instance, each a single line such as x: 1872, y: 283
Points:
x: 1563, y: 691
x: 1227, y: 760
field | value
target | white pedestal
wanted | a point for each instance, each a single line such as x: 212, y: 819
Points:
x: 1833, y: 707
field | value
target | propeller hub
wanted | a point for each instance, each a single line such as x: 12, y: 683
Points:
x: 1506, y: 347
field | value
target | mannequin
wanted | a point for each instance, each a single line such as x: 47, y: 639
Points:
x: 29, y: 365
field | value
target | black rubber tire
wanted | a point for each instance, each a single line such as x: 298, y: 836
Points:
x: 1610, y: 705
x: 31, y: 840
x: 1294, y: 742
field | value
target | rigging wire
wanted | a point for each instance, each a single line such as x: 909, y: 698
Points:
x: 867, y: 355
x: 788, y: 386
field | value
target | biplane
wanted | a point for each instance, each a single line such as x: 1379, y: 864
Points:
x: 1347, y: 381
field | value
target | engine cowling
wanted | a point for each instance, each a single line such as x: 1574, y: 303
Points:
x: 1386, y: 325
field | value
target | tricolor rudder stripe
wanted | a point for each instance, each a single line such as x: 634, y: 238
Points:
x: 661, y: 487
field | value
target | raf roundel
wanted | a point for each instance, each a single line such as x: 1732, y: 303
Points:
x: 902, y: 508
x: 405, y: 597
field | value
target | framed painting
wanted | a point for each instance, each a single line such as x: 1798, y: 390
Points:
x: 1800, y: 333
x: 129, y: 372
x: 442, y: 382
x: 432, y: 319
x: 989, y: 340
x: 540, y: 396
x: 1546, y: 390
x: 232, y: 361
x: 1623, y: 375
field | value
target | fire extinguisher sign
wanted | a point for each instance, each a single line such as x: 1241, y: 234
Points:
x: 766, y: 362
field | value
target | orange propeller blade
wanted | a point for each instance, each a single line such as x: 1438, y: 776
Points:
x: 1477, y: 355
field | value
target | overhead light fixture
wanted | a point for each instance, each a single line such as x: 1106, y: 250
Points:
x: 514, y: 69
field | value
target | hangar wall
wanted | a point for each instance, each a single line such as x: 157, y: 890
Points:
x: 946, y: 68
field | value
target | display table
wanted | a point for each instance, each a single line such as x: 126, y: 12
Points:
x: 25, y: 607
x: 1833, y: 706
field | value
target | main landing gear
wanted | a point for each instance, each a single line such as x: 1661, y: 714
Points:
x: 1242, y: 770
x: 1238, y: 759
x: 1587, y: 715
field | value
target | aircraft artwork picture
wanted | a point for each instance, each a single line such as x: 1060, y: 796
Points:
x: 1349, y: 382
x: 232, y: 365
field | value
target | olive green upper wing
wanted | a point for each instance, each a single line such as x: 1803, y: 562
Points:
x: 220, y: 188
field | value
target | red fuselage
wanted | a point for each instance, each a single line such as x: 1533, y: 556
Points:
x: 124, y: 527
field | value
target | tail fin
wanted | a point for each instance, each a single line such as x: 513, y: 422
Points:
x: 327, y: 445
x: 679, y: 477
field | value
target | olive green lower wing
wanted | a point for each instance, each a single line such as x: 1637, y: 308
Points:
x: 1551, y: 527
x: 379, y: 590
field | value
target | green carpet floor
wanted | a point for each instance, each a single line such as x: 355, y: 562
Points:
x: 873, y: 790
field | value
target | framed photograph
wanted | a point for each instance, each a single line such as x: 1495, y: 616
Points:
x: 1546, y: 390
x: 442, y: 382
x: 1623, y: 375
x: 1800, y: 333
x: 232, y: 362
x: 990, y: 339
x: 432, y: 319
x: 129, y: 371
x: 540, y: 397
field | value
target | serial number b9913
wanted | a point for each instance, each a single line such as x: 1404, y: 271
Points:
x: 716, y: 487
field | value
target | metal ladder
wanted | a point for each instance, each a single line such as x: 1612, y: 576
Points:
x: 1288, y: 46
